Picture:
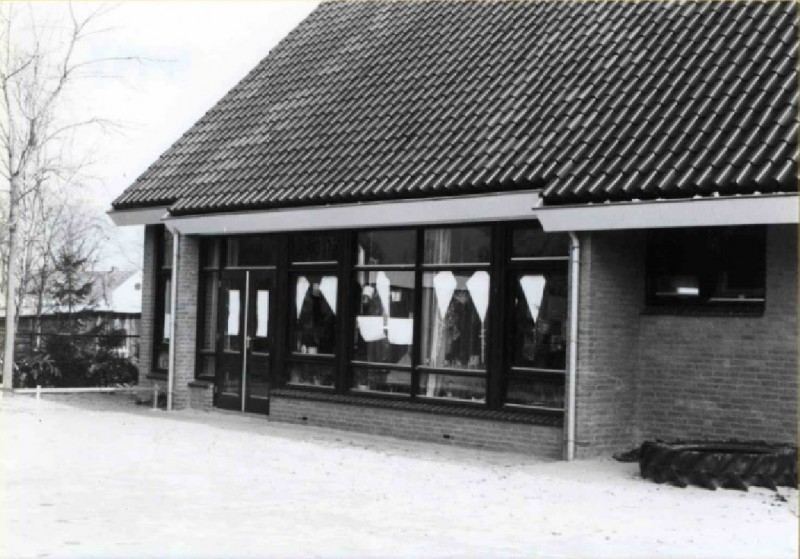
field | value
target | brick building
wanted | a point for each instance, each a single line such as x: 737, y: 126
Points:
x: 558, y: 227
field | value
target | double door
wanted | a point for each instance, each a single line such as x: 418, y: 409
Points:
x: 245, y: 344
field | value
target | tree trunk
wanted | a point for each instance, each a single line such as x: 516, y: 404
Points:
x: 11, y: 281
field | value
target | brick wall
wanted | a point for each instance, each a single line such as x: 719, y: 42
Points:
x: 201, y: 395
x: 185, y: 335
x: 668, y: 376
x: 731, y: 377
x: 460, y: 431
x: 610, y: 301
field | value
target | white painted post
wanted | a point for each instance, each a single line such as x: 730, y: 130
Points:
x: 155, y: 395
x: 38, y: 392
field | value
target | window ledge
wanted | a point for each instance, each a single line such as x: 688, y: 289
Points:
x: 199, y: 383
x: 529, y: 417
x: 156, y: 376
x: 745, y: 310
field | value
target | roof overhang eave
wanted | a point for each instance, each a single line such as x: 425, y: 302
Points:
x: 754, y: 209
x: 141, y: 216
x: 501, y: 206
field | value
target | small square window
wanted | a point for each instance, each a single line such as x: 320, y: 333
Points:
x: 720, y: 265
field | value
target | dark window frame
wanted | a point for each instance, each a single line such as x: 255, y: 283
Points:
x: 704, y: 246
x: 208, y: 273
x: 501, y: 267
x: 163, y: 282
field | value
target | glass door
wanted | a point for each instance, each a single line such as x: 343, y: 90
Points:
x: 230, y: 352
x: 260, y: 303
x: 245, y: 344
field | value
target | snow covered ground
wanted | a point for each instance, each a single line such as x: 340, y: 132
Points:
x: 98, y: 477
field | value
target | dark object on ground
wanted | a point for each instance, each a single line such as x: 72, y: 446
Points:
x: 631, y: 455
x: 726, y: 464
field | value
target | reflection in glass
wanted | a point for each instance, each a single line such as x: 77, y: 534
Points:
x: 260, y: 340
x: 454, y: 319
x: 382, y: 380
x: 384, y: 316
x: 166, y: 249
x: 207, y: 365
x: 458, y: 245
x: 540, y: 316
x: 386, y: 247
x: 251, y: 250
x: 209, y: 252
x: 531, y: 242
x: 209, y: 330
x: 314, y: 329
x: 535, y: 392
x: 452, y: 387
x: 311, y: 374
x: 231, y: 340
x: 258, y: 378
x: 314, y: 247
x: 162, y: 358
x: 231, y: 375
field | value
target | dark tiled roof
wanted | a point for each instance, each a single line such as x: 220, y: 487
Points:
x: 592, y: 101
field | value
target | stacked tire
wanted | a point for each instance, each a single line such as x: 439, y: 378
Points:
x: 729, y: 464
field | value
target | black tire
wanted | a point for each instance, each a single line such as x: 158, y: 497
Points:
x: 729, y: 464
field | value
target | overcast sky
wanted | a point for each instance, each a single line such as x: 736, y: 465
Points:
x: 193, y: 52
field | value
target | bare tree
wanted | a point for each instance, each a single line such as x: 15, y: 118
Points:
x: 39, y: 65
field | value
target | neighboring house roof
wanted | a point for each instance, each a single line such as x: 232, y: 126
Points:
x: 115, y: 291
x: 591, y: 101
x: 110, y: 290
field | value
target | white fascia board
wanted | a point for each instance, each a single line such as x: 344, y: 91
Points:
x: 145, y: 216
x: 457, y: 209
x: 696, y: 212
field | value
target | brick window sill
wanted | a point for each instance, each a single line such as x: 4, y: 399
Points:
x: 199, y: 383
x: 722, y: 311
x: 531, y: 418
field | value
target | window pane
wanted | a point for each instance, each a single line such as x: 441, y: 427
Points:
x: 162, y: 358
x: 452, y: 387
x: 314, y: 313
x: 311, y: 374
x: 454, y: 319
x: 531, y: 242
x: 540, y: 318
x: 698, y: 265
x: 382, y: 380
x: 740, y: 263
x: 209, y: 249
x: 387, y: 247
x: 458, y: 245
x: 536, y: 392
x: 167, y: 298
x: 207, y: 366
x: 314, y: 247
x: 252, y: 250
x: 209, y: 324
x: 166, y: 249
x: 384, y: 319
x: 231, y: 335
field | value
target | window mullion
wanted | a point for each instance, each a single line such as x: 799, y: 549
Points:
x: 417, y: 340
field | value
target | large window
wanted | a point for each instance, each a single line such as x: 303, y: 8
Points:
x: 455, y: 313
x: 536, y: 318
x: 385, y: 302
x: 436, y: 297
x: 313, y: 302
x: 210, y: 256
x: 715, y: 266
x: 473, y: 315
x: 163, y: 319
